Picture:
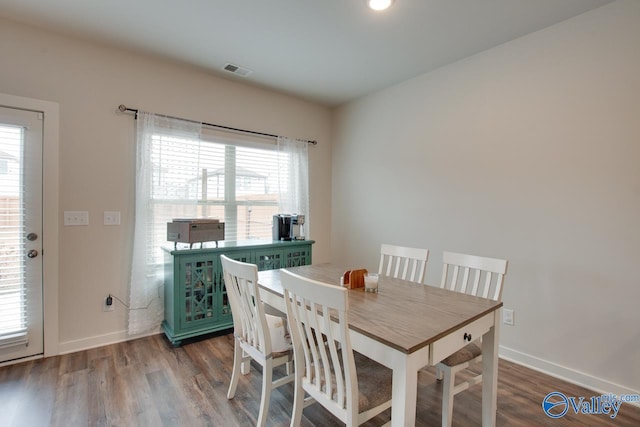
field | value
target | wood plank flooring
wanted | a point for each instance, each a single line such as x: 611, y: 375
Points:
x: 147, y: 382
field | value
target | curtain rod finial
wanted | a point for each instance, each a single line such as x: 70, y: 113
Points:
x: 122, y: 108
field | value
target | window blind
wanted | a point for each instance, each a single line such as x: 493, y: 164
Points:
x: 234, y: 181
x: 13, y: 316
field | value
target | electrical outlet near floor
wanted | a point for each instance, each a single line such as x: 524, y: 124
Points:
x: 508, y: 316
x: 105, y: 303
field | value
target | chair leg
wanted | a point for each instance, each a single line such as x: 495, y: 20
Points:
x: 245, y: 366
x: 235, y: 375
x: 298, y: 403
x: 447, y: 397
x: 267, y: 386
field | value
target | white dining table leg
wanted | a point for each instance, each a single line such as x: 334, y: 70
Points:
x: 403, y: 400
x: 405, y: 387
x: 490, y: 373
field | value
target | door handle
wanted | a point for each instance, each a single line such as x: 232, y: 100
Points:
x: 32, y: 253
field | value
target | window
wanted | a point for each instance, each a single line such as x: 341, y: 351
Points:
x: 185, y: 171
x: 235, y: 184
x: 13, y: 289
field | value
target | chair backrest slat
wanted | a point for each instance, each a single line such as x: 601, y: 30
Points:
x: 465, y: 280
x: 476, y: 281
x: 487, y: 284
x: 474, y: 267
x: 404, y: 263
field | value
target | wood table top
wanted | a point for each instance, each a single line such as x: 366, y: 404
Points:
x: 402, y: 314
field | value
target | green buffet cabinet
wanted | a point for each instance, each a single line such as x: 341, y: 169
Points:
x: 195, y: 300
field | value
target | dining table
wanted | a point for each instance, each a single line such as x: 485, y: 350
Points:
x: 407, y: 326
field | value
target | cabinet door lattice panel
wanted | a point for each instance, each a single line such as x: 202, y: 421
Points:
x: 298, y: 257
x: 269, y: 259
x: 199, y: 291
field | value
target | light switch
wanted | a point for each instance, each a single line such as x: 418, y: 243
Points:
x: 73, y: 218
x: 111, y: 218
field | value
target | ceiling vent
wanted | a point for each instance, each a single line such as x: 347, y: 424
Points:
x: 237, y: 70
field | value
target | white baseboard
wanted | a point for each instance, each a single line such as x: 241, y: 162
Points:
x: 598, y: 385
x: 100, y: 340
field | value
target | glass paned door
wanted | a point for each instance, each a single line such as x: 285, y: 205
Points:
x: 21, y: 320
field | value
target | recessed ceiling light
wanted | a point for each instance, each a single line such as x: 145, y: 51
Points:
x: 379, y: 4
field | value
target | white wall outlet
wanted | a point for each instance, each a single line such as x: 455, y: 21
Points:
x: 111, y: 218
x: 508, y: 316
x: 73, y: 218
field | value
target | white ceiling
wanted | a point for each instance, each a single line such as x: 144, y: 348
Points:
x: 327, y: 51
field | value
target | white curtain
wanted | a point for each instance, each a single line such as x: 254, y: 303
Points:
x: 293, y: 169
x: 146, y: 292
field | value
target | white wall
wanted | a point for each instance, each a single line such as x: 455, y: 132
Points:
x: 529, y: 152
x: 89, y: 81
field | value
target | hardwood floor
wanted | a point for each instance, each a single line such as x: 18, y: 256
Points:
x: 147, y: 382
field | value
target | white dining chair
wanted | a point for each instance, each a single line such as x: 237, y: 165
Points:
x: 473, y: 275
x: 403, y: 263
x: 351, y: 386
x: 257, y: 335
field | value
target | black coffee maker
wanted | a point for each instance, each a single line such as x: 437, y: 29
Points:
x: 282, y: 227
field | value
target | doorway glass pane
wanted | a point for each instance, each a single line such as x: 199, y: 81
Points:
x: 13, y: 322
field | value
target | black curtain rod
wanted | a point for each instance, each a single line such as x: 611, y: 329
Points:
x: 124, y: 109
